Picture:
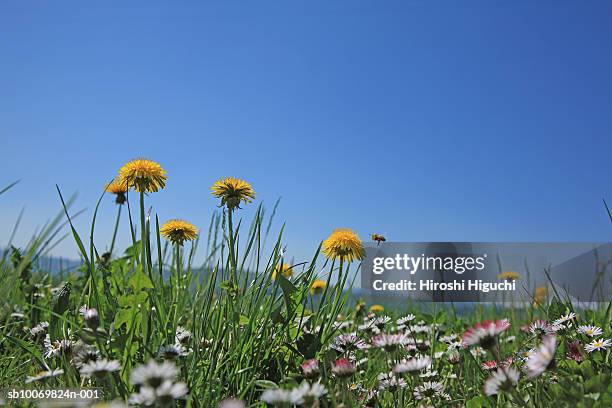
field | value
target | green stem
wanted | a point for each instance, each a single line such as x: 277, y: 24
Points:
x: 143, y: 245
x: 116, y: 229
x: 178, y: 282
x: 232, y: 253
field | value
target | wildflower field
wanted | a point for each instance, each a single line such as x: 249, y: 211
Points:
x: 247, y: 328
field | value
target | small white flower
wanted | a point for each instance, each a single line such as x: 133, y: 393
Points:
x: 411, y: 365
x: 501, y: 380
x: 390, y: 342
x: 169, y: 391
x: 541, y: 328
x: 478, y: 352
x: 388, y: 381
x: 450, y: 338
x: 182, y: 335
x: 276, y: 396
x: 565, y: 318
x: 601, y: 344
x: 232, y: 403
x: 429, y: 374
x: 428, y: 389
x: 154, y: 374
x: 43, y: 375
x: 543, y: 357
x: 53, y: 349
x: 39, y: 329
x: 100, y: 368
x: 403, y: 320
x: 307, y: 394
x: 591, y: 331
x: 84, y: 353
x: 485, y: 334
x: 171, y: 351
x: 90, y: 315
x: 145, y: 396
x: 348, y: 343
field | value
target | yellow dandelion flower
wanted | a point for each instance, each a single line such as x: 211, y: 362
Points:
x: 285, y: 269
x: 317, y: 286
x: 232, y: 191
x: 377, y: 309
x: 118, y: 189
x: 345, y: 244
x: 540, y: 295
x: 178, y: 231
x: 509, y: 275
x: 145, y: 176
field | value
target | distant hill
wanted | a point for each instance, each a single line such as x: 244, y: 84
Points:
x: 52, y: 264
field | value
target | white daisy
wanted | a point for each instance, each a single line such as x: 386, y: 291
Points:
x: 412, y: 365
x: 541, y: 328
x: 501, y: 380
x: 565, y: 318
x: 171, y: 351
x: 485, y: 334
x: 53, y: 349
x: 543, y: 357
x: 154, y: 374
x: 232, y: 403
x: 169, y: 391
x: 601, y: 344
x: 39, y: 329
x: 145, y: 396
x: 429, y: 375
x: 348, y: 343
x: 389, y: 342
x: 591, y: 331
x: 388, y: 381
x: 182, y: 335
x: 90, y: 315
x: 478, y: 352
x: 84, y: 353
x: 43, y: 375
x: 100, y: 368
x: 276, y: 396
x: 428, y: 389
x: 306, y: 394
x: 403, y: 320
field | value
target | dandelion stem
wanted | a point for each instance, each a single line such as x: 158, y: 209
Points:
x: 232, y: 253
x: 116, y: 229
x: 143, y: 246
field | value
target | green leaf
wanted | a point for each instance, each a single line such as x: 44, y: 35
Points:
x: 477, y: 402
x: 289, y: 290
x: 139, y: 280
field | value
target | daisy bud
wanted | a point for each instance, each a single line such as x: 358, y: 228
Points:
x: 454, y: 357
x: 343, y: 368
x: 91, y: 317
x: 310, y: 368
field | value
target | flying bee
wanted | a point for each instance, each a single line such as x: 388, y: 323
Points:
x: 378, y: 238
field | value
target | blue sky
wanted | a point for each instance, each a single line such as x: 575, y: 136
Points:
x: 471, y: 121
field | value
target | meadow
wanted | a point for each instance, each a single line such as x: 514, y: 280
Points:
x: 247, y: 328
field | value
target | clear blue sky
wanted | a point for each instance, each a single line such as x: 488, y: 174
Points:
x: 476, y: 120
